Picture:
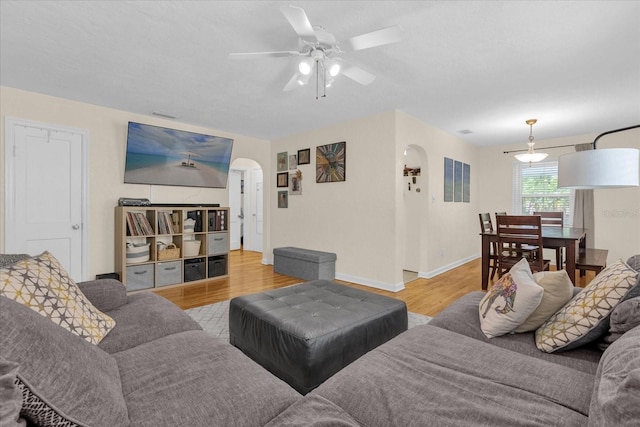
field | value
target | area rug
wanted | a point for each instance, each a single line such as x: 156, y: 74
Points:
x: 214, y: 318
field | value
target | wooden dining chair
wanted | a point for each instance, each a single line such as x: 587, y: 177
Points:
x: 522, y: 234
x: 553, y: 219
x: 487, y: 226
x: 523, y: 249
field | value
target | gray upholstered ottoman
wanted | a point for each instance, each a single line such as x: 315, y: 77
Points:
x: 306, y: 264
x: 306, y: 333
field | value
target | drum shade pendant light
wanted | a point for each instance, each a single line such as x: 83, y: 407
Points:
x: 531, y: 156
x: 603, y: 168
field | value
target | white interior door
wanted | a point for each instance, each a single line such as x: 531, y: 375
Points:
x: 235, y: 208
x: 45, y: 193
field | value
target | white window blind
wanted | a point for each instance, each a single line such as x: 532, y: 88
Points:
x: 535, y: 188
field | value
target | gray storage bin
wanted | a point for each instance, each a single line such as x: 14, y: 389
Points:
x: 169, y: 273
x: 139, y: 277
x: 217, y: 243
x: 217, y: 265
x: 193, y: 269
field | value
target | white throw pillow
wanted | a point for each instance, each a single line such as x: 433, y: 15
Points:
x: 558, y: 290
x: 510, y: 301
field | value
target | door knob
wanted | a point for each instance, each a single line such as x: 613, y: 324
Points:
x: 75, y: 226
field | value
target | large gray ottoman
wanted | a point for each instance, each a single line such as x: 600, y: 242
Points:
x: 306, y: 333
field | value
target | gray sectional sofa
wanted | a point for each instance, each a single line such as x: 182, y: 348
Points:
x: 158, y: 368
x: 155, y: 368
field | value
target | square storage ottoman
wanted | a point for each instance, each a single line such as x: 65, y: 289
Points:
x: 306, y: 333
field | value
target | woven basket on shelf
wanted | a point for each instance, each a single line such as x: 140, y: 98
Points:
x: 170, y: 251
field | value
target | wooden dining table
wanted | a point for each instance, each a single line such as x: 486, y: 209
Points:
x: 567, y: 237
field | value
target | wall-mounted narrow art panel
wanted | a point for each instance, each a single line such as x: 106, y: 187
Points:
x: 457, y: 181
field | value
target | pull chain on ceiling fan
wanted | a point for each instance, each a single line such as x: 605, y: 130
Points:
x: 318, y: 49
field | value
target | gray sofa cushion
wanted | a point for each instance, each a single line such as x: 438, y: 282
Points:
x: 314, y: 411
x: 624, y: 317
x: 10, y: 395
x: 70, y: 377
x: 104, y: 294
x: 430, y: 376
x: 462, y: 317
x: 194, y: 379
x: 616, y: 395
x: 144, y: 318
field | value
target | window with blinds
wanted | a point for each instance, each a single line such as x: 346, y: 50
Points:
x: 535, y: 188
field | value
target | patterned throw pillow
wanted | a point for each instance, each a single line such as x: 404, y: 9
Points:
x: 510, y: 301
x: 43, y: 285
x: 586, y: 317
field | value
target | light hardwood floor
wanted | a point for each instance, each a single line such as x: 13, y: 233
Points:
x: 248, y: 275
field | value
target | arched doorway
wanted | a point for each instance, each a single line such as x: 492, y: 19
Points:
x: 415, y: 195
x: 246, y: 205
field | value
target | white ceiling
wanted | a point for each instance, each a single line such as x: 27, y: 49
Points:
x: 484, y: 66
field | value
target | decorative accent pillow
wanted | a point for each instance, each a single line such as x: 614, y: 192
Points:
x: 41, y: 284
x: 558, y: 290
x: 586, y: 317
x: 510, y: 301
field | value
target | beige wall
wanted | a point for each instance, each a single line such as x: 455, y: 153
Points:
x: 107, y: 129
x: 362, y: 219
x: 354, y: 218
x: 448, y: 231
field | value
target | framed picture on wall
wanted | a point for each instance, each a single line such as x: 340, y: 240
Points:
x: 283, y: 199
x: 331, y: 162
x: 293, y: 162
x: 304, y: 156
x: 283, y: 179
x: 282, y: 161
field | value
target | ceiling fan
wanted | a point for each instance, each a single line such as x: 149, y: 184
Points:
x: 319, y: 50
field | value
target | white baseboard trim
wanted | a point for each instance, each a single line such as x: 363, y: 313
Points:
x: 267, y: 260
x: 371, y: 283
x: 445, y: 268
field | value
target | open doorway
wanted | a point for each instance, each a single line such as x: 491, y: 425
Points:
x: 246, y: 201
x: 414, y: 197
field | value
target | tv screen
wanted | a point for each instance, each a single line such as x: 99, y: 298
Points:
x: 162, y: 156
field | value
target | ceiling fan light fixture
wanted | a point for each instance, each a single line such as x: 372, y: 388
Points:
x: 531, y: 156
x: 305, y: 66
x: 334, y: 68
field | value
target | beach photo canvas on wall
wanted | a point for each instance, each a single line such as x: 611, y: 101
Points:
x: 163, y: 156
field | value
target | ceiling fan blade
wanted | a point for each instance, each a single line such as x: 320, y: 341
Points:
x: 300, y: 23
x: 298, y: 80
x: 356, y: 74
x: 375, y: 38
x: 293, y: 83
x: 252, y: 55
